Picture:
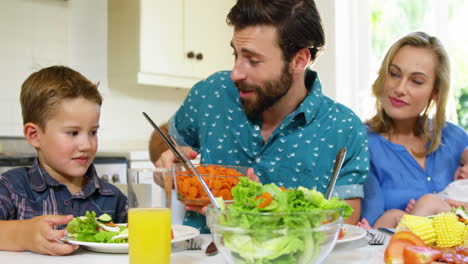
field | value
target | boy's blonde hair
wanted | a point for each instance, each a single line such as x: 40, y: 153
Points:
x: 43, y: 90
x: 382, y: 123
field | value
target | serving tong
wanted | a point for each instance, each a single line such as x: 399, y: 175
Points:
x: 180, y: 154
x: 336, y: 170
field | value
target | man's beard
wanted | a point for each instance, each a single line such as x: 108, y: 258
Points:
x: 268, y: 94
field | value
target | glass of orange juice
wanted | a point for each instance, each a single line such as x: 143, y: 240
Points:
x: 149, y: 215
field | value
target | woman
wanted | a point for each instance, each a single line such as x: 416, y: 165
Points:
x: 411, y: 154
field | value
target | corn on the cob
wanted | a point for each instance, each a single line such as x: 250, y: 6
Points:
x: 448, y: 230
x: 420, y: 226
x: 465, y: 236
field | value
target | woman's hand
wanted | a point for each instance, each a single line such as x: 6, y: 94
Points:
x: 456, y: 204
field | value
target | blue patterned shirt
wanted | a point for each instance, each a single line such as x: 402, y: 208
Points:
x: 300, y: 152
x: 29, y: 192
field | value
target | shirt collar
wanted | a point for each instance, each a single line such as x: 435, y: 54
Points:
x: 40, y: 179
x: 310, y: 106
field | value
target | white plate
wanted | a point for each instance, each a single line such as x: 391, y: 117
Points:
x: 181, y: 233
x: 352, y: 232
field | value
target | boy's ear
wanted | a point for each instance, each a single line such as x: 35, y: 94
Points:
x: 31, y: 133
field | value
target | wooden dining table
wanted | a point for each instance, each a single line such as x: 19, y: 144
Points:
x: 352, y: 252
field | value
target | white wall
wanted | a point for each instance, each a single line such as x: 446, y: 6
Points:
x: 122, y: 124
x: 33, y: 34
x: 36, y: 34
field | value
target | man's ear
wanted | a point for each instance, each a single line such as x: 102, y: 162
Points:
x: 31, y: 133
x: 300, y: 61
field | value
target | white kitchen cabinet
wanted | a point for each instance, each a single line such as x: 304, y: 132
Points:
x: 183, y: 41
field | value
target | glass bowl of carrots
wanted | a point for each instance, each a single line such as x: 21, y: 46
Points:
x: 219, y: 178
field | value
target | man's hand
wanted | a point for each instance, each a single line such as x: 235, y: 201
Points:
x: 251, y: 175
x: 166, y: 160
x: 38, y: 235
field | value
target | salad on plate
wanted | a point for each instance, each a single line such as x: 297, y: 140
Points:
x: 90, y: 228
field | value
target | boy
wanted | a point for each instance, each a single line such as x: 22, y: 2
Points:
x: 454, y: 195
x: 61, y: 110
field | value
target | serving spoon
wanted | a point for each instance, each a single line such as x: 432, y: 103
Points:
x: 180, y: 154
x: 336, y: 170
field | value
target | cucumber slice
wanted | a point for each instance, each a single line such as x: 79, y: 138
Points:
x: 105, y: 218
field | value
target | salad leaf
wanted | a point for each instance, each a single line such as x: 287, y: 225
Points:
x: 86, y: 228
x: 288, y: 235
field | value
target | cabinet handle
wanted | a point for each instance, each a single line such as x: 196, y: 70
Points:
x: 199, y: 56
x: 190, y: 54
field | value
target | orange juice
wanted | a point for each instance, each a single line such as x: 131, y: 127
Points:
x: 149, y: 235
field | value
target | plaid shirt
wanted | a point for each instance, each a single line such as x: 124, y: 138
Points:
x: 29, y: 192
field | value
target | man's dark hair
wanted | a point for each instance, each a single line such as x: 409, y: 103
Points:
x: 297, y: 21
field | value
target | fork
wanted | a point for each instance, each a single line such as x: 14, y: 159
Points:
x: 377, y: 239
x: 193, y: 244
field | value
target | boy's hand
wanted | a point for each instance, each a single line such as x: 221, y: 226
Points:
x: 38, y: 235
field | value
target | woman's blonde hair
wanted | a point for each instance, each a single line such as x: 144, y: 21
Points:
x: 382, y: 123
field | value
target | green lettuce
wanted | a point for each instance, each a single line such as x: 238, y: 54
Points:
x: 279, y: 238
x: 85, y: 228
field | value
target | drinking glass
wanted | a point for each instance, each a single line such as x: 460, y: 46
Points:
x: 149, y: 216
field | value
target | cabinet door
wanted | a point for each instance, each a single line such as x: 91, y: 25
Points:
x: 209, y: 35
x: 171, y: 30
x: 162, y: 42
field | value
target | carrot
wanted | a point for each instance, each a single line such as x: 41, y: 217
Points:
x: 282, y: 188
x: 265, y: 200
x: 219, y: 179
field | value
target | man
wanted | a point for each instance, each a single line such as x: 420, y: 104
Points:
x: 269, y: 113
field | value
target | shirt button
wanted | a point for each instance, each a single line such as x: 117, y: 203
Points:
x: 257, y: 160
x: 66, y: 202
x: 256, y: 127
x: 429, y: 178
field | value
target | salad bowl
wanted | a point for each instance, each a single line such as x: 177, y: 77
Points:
x: 271, y: 224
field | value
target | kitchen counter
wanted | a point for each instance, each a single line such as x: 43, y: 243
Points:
x: 353, y: 252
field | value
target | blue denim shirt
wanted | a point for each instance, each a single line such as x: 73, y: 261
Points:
x: 300, y: 152
x: 396, y: 177
x: 29, y: 192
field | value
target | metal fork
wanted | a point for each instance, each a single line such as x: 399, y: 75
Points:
x: 377, y: 239
x: 193, y: 244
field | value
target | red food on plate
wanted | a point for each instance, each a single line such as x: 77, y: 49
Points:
x: 342, y: 233
x: 406, y: 235
x: 394, y: 251
x: 420, y: 255
x: 172, y: 234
